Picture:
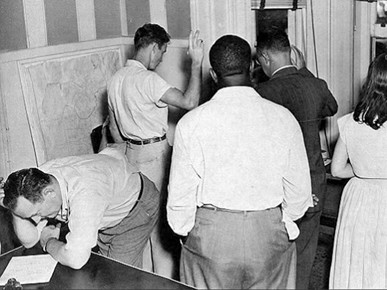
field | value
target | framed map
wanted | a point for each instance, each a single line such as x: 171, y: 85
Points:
x: 65, y: 98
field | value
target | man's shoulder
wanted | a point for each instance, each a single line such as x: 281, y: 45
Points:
x: 276, y: 109
x: 278, y: 113
x: 192, y: 115
x: 135, y: 75
x: 299, y: 83
x: 196, y: 116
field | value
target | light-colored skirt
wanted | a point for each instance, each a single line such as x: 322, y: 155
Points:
x: 360, y: 247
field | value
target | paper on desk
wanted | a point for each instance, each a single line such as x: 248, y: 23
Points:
x: 29, y: 269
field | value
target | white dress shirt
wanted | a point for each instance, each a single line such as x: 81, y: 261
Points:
x: 241, y: 152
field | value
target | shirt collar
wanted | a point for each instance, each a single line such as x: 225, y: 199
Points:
x: 283, y: 67
x: 235, y: 92
x: 64, y: 212
x: 136, y: 63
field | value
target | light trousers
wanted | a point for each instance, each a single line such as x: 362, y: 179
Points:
x: 247, y: 250
x: 153, y: 160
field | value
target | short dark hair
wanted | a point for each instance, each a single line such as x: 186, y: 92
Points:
x: 274, y: 40
x: 372, y: 107
x: 150, y: 33
x: 28, y: 183
x: 230, y: 55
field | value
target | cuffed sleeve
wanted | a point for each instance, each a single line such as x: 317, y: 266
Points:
x: 183, y: 185
x: 297, y: 184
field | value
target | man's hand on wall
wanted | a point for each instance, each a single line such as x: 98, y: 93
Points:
x: 195, y: 48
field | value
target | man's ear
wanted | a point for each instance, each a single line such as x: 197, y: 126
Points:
x: 266, y: 57
x: 252, y: 65
x: 155, y: 46
x: 48, y: 192
x: 213, y: 75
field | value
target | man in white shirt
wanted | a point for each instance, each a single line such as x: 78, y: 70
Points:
x: 102, y: 197
x: 239, y: 179
x: 138, y: 108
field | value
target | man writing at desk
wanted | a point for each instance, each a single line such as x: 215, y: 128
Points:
x: 102, y: 197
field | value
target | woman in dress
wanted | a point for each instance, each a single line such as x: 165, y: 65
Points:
x: 360, y: 246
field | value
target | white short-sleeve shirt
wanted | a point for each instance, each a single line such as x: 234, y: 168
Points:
x: 134, y: 95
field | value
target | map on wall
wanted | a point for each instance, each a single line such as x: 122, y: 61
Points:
x: 65, y: 98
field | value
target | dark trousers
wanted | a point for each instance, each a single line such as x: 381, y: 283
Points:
x: 306, y: 243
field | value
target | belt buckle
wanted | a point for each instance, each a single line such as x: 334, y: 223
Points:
x: 147, y: 141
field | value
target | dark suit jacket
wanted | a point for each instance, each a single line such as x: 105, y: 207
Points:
x: 310, y: 101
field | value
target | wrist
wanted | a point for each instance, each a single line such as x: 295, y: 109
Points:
x: 48, y: 241
x: 196, y: 65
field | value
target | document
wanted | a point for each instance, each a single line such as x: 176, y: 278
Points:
x: 29, y: 269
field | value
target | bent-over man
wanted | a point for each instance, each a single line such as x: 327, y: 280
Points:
x: 102, y: 197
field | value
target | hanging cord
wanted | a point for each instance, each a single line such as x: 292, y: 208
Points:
x: 317, y: 73
x: 262, y: 5
x: 314, y: 37
x: 295, y: 4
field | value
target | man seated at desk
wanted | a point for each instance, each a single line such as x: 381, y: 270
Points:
x: 102, y: 197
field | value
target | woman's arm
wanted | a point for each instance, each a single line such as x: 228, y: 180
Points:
x: 340, y: 166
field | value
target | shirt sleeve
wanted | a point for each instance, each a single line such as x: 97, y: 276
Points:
x: 341, y: 123
x: 330, y: 105
x: 87, y: 208
x: 157, y: 88
x: 297, y: 181
x: 183, y: 186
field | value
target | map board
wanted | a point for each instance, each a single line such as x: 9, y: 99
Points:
x: 65, y: 98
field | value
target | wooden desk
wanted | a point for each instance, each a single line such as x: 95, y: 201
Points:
x: 99, y: 273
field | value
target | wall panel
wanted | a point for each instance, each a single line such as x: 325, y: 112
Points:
x: 107, y: 18
x: 61, y: 19
x: 12, y: 26
x: 138, y: 13
x: 178, y: 18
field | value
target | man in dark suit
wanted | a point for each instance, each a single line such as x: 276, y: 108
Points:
x: 310, y: 101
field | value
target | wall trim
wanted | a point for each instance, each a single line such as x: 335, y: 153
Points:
x: 86, y: 20
x: 35, y: 22
x: 4, y: 134
x: 158, y: 13
x: 124, y: 18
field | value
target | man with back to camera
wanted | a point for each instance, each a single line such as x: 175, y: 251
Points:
x: 310, y: 101
x: 102, y: 197
x: 239, y: 178
x: 138, y: 108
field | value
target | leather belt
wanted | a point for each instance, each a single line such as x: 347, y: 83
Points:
x: 139, y: 195
x: 215, y: 208
x: 146, y: 141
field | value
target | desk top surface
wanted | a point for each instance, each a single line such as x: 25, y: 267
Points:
x: 99, y: 273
